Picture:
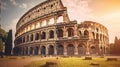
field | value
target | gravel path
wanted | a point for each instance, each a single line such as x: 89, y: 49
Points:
x: 19, y: 62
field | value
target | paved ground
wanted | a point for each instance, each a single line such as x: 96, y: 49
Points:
x: 19, y: 62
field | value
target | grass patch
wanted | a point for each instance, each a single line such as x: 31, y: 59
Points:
x: 76, y: 62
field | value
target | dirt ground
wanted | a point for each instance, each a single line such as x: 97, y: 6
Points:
x: 17, y: 61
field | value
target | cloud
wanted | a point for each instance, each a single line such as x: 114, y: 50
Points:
x: 3, y: 5
x: 78, y: 9
x: 23, y: 5
x: 14, y: 2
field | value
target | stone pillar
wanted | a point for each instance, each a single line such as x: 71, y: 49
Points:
x: 55, y: 50
x: 64, y: 32
x: 55, y: 19
x: 65, y: 49
x: 55, y: 34
x: 87, y: 49
x: 47, y: 49
x: 34, y: 36
x: 76, y: 48
x: 39, y: 51
x: 28, y: 51
x: 47, y: 34
x: 75, y: 31
x: 33, y: 51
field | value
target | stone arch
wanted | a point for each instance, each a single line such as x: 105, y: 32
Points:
x: 81, y: 49
x: 70, y: 32
x: 27, y: 38
x: 43, y: 35
x: 31, y: 37
x: 60, y: 33
x: 86, y: 33
x: 51, y: 34
x: 93, y: 34
x: 60, y: 49
x: 43, y: 50
x: 70, y: 49
x: 51, y: 50
x: 37, y: 36
x: 36, y: 50
x: 93, y: 50
x: 31, y: 50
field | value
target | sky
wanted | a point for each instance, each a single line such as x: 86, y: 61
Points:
x: 105, y: 12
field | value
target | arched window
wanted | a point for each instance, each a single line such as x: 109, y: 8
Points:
x: 43, y: 36
x: 70, y: 49
x: 31, y: 38
x: 51, y: 34
x: 93, y: 35
x: 51, y: 21
x: 60, y: 19
x: 97, y: 36
x: 60, y: 33
x: 27, y: 38
x: 70, y: 32
x: 37, y: 36
x: 86, y: 33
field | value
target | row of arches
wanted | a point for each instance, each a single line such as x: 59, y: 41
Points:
x: 59, y: 49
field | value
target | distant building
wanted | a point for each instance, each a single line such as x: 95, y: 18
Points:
x: 47, y: 30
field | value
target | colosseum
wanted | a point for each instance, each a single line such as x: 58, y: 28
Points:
x: 47, y: 30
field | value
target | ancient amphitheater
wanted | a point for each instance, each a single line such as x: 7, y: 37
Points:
x: 47, y: 30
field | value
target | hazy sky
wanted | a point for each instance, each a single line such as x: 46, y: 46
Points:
x: 106, y: 12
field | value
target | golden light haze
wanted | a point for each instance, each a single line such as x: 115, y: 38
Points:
x: 106, y: 12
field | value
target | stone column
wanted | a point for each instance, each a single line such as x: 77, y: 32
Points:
x: 55, y: 50
x: 28, y: 50
x: 65, y: 49
x: 39, y: 51
x: 47, y: 49
x: 64, y: 32
x: 55, y: 19
x: 33, y: 51
x: 47, y: 34
x: 55, y: 34
x: 75, y: 30
x: 87, y: 49
x: 76, y: 48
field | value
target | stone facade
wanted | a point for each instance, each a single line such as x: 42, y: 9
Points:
x: 47, y: 30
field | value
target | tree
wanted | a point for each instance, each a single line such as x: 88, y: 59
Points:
x: 1, y: 45
x: 8, y: 45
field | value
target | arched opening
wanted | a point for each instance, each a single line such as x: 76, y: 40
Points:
x: 93, y: 50
x: 51, y: 50
x: 86, y: 33
x: 70, y: 32
x: 81, y: 49
x: 36, y: 50
x: 60, y: 50
x: 93, y: 35
x: 23, y: 39
x: 26, y: 51
x: 43, y: 50
x: 70, y: 49
x: 43, y: 36
x: 51, y: 21
x: 31, y: 50
x: 51, y: 34
x: 60, y: 19
x: 31, y: 38
x: 28, y: 38
x: 37, y: 36
x: 60, y: 33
